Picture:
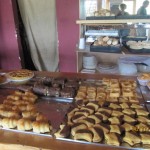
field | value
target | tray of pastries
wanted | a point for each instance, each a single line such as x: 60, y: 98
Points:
x: 137, y: 46
x: 106, y: 44
x: 111, y: 112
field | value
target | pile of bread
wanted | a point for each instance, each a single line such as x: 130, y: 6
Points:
x: 19, y: 111
x: 138, y: 45
x: 110, y: 114
x: 106, y: 41
x: 103, y: 12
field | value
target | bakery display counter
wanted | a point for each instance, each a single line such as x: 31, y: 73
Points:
x: 73, y: 111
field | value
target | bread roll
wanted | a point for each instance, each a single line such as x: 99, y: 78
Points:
x: 9, y: 123
x: 24, y: 124
x: 41, y: 127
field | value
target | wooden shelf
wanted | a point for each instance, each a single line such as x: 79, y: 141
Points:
x: 102, y: 56
x: 115, y: 21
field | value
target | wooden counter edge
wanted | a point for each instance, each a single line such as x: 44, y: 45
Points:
x: 7, y: 146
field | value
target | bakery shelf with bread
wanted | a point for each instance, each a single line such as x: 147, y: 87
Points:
x: 106, y: 48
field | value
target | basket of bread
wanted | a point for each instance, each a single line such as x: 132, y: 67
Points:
x: 106, y: 44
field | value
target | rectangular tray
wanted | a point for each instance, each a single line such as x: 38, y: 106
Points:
x: 133, y: 17
x: 100, y: 17
x: 105, y: 49
x: 133, y: 38
x: 136, y: 51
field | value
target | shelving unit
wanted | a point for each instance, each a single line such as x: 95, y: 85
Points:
x: 101, y: 56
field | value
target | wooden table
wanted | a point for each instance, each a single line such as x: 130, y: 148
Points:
x: 10, y: 140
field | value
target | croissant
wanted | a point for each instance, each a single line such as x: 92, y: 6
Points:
x: 24, y: 124
x: 14, y: 97
x: 29, y: 114
x: 29, y: 98
x: 41, y: 127
x: 9, y: 123
x: 9, y: 113
x: 41, y: 117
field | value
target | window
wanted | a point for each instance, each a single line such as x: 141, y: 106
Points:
x: 90, y: 7
x: 130, y: 6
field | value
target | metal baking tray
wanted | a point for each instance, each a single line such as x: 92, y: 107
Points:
x: 27, y: 132
x: 122, y: 146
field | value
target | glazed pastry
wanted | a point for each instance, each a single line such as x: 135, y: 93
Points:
x: 84, y: 112
x: 123, y: 99
x: 114, y: 92
x: 84, y: 134
x: 114, y: 106
x: 76, y: 127
x: 88, y: 121
x: 142, y: 127
x: 143, y: 119
x: 128, y: 112
x: 115, y: 129
x: 142, y: 112
x: 112, y: 99
x: 136, y: 106
x: 97, y: 134
x: 41, y: 127
x: 127, y: 92
x: 107, y: 110
x: 9, y: 123
x: 104, y: 127
x: 116, y: 113
x: 24, y: 124
x: 115, y: 120
x: 77, y: 117
x: 96, y: 117
x: 124, y: 105
x: 133, y: 100
x: 129, y: 119
x: 94, y: 105
x: 132, y: 138
x: 104, y: 115
x: 90, y: 109
x: 145, y: 138
x: 71, y: 113
x: 127, y: 127
x: 63, y: 132
x: 112, y: 139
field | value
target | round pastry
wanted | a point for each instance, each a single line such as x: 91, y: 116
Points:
x: 20, y: 75
x: 136, y: 46
x: 131, y: 42
x: 106, y: 38
x: 115, y: 42
x: 146, y: 45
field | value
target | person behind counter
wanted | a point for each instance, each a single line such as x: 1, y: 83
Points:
x: 142, y: 10
x: 122, y: 11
